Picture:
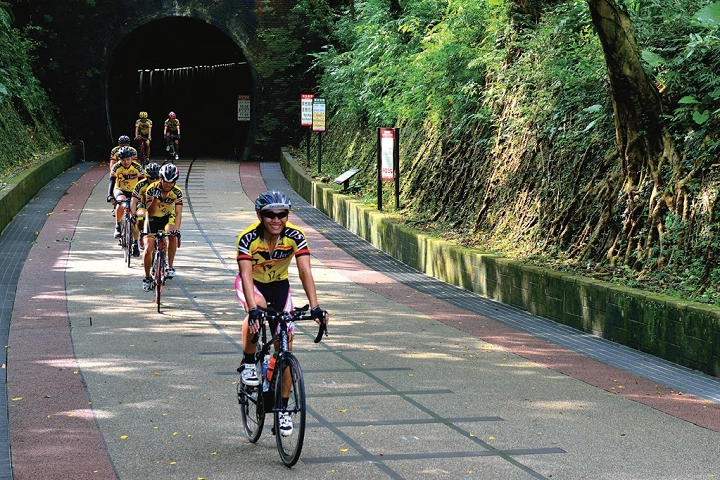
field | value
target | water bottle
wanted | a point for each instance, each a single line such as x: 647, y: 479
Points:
x: 271, y: 367
x: 266, y: 361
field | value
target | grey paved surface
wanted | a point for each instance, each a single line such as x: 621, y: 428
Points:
x: 15, y: 244
x: 393, y: 393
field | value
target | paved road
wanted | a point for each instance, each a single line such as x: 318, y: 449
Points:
x: 408, y: 385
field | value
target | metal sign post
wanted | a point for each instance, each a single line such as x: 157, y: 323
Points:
x: 389, y: 162
x: 306, y: 113
x: 318, y: 125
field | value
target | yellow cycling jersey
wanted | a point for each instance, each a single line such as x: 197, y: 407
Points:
x: 114, y: 152
x: 143, y: 125
x: 167, y: 205
x: 172, y: 124
x: 140, y: 192
x: 270, y: 266
x: 127, y: 177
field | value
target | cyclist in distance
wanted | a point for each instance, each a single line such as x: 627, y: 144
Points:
x: 264, y: 252
x: 123, y: 177
x: 171, y: 132
x: 138, y: 205
x: 164, y: 202
x: 143, y: 132
x: 123, y: 141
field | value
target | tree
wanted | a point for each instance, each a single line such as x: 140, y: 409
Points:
x: 632, y: 202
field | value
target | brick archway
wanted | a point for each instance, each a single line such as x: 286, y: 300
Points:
x: 87, y: 43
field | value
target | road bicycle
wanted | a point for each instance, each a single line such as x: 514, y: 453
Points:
x: 126, y: 231
x: 159, y: 266
x: 171, y: 155
x: 257, y: 401
x: 142, y: 151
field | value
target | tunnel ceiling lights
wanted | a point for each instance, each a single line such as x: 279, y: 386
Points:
x: 191, y: 68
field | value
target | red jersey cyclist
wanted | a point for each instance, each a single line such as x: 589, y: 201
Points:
x: 123, y: 177
x: 164, y: 211
x: 264, y: 252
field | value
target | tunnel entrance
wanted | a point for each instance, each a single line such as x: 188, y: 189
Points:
x: 188, y: 67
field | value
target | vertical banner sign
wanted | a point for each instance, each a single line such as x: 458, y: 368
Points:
x: 387, y: 154
x: 318, y: 115
x: 306, y: 109
x: 243, y: 108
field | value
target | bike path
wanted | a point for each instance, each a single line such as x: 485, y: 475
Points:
x: 406, y: 386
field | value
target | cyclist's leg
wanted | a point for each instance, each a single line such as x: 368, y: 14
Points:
x: 149, y: 240
x: 119, y: 209
x: 248, y: 346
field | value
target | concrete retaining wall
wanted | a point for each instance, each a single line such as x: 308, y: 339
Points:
x: 21, y: 189
x: 683, y: 332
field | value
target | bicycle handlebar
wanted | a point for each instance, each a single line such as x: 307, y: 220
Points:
x: 296, y: 314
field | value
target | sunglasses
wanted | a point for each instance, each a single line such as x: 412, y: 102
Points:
x: 271, y: 215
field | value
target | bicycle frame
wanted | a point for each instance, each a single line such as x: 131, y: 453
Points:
x: 286, y: 379
x: 159, y: 263
x: 126, y: 229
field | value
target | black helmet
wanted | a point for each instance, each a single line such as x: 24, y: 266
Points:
x: 124, y: 139
x: 152, y: 171
x: 169, y: 172
x: 125, y: 152
x: 272, y: 200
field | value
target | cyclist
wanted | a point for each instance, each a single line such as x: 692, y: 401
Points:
x: 143, y: 132
x: 264, y: 252
x: 164, y: 211
x: 139, y: 199
x: 171, y: 132
x: 123, y: 141
x: 124, y: 176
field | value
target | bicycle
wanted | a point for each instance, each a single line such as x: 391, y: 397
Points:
x: 142, y: 157
x: 126, y: 231
x: 257, y: 401
x: 171, y: 148
x: 158, y: 268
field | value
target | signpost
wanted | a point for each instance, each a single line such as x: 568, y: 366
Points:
x: 388, y: 162
x: 318, y: 125
x: 306, y: 110
x: 243, y: 108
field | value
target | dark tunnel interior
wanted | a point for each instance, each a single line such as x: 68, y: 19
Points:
x: 188, y: 67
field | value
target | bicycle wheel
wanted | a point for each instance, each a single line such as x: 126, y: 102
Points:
x: 127, y: 239
x: 290, y: 446
x: 252, y: 408
x: 158, y: 277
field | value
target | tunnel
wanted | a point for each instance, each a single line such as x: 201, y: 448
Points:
x: 186, y: 66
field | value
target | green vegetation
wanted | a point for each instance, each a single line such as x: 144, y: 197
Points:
x: 509, y: 141
x: 27, y: 119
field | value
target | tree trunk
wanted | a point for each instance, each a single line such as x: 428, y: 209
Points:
x: 640, y: 137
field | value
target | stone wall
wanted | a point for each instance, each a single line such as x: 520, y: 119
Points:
x: 21, y: 189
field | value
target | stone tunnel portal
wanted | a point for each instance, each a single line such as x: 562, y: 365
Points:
x: 187, y: 66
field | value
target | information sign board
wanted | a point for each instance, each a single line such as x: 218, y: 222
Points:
x: 243, y: 108
x: 306, y: 109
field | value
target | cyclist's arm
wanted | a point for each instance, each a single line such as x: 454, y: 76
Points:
x: 306, y: 278
x: 150, y: 132
x: 248, y: 284
x: 178, y: 217
x: 137, y: 127
x: 111, y: 185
